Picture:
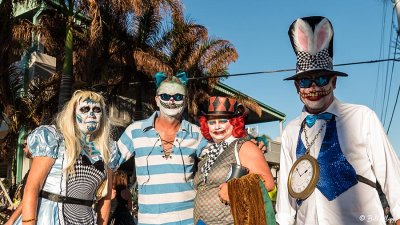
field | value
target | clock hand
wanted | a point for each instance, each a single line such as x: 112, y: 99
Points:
x: 304, y: 172
x: 297, y: 170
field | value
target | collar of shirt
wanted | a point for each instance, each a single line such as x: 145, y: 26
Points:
x: 230, y: 139
x: 148, y: 123
x: 333, y: 109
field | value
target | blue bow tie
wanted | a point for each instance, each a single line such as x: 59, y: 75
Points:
x: 311, y: 119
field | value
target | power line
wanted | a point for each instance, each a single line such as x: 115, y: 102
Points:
x: 386, y: 77
x: 391, y: 78
x: 398, y: 90
x: 274, y: 71
x: 394, y: 108
x: 381, y: 52
x: 288, y: 70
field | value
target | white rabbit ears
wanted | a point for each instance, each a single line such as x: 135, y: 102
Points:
x: 312, y: 41
x: 311, y: 38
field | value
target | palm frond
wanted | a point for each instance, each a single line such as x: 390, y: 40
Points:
x: 150, y: 64
x: 249, y: 103
x: 217, y: 55
x: 23, y: 31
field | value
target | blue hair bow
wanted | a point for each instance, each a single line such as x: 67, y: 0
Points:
x: 160, y: 77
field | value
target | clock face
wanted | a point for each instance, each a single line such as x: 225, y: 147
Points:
x: 303, y: 177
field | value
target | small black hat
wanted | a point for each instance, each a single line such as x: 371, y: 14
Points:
x: 222, y: 107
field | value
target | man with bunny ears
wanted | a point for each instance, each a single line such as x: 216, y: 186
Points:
x: 333, y: 153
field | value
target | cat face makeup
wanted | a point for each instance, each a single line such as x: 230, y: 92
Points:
x: 175, y: 104
x: 88, y: 115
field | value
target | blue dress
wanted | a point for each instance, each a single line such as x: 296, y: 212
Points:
x: 89, y: 174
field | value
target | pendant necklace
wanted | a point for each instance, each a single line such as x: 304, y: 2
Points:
x: 315, y: 137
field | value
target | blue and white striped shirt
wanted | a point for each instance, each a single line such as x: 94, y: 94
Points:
x: 165, y: 190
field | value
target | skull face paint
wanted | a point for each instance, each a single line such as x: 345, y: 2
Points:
x: 317, y: 99
x: 88, y: 115
x: 220, y: 129
x: 171, y: 107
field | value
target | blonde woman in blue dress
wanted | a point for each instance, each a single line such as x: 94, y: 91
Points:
x: 69, y: 165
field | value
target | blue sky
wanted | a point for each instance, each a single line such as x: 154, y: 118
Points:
x: 258, y: 30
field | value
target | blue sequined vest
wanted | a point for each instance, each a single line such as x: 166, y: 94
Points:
x: 336, y: 173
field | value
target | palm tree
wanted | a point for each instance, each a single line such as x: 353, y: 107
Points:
x: 185, y: 46
x: 6, y: 23
x: 14, y: 39
x: 123, y: 42
x: 118, y: 30
x: 136, y: 29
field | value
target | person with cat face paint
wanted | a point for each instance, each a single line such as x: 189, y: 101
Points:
x: 165, y: 147
x: 70, y: 171
x: 170, y: 100
x: 333, y: 154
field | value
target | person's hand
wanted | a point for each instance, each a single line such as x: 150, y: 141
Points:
x: 398, y: 222
x: 260, y: 145
x: 223, y: 193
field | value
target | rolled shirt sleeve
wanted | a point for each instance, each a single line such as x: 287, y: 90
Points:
x: 123, y: 149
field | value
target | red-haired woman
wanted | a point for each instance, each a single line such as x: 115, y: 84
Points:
x: 228, y: 153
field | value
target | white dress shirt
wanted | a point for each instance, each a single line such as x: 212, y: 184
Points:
x: 366, y: 147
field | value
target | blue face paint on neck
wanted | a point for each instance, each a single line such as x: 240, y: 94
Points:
x: 91, y: 127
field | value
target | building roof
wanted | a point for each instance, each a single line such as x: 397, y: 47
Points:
x: 268, y: 114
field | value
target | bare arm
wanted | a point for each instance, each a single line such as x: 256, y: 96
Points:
x: 252, y: 158
x: 38, y: 173
x: 15, y: 215
x: 104, y: 205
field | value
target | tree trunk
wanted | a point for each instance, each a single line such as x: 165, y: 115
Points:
x: 67, y: 75
x: 139, y: 94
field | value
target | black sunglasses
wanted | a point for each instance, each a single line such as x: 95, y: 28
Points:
x: 167, y: 97
x: 319, y: 81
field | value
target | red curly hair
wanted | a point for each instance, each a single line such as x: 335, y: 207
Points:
x: 237, y: 122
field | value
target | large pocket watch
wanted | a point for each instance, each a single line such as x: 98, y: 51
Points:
x: 303, y: 177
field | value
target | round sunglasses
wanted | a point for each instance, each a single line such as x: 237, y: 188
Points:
x: 319, y: 81
x: 167, y: 97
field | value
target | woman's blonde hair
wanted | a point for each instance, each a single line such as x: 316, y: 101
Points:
x: 72, y: 135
